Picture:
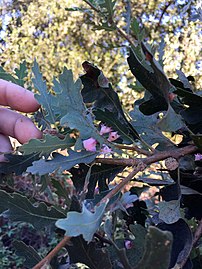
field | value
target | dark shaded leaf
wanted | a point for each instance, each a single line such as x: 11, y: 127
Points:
x: 192, y: 116
x: 136, y: 253
x: 156, y: 83
x: 27, y: 252
x: 17, y: 163
x: 152, y: 106
x: 170, y: 193
x: 156, y: 182
x: 61, y: 191
x: 182, y: 241
x: 61, y: 162
x: 197, y: 140
x: 137, y: 213
x: 188, y: 191
x: 21, y: 209
x: 157, y: 249
x: 188, y: 97
x: 178, y: 84
x: 100, y: 174
x: 103, y: 98
x: 46, y: 145
x: 110, y: 119
x: 191, y: 203
x: 89, y: 254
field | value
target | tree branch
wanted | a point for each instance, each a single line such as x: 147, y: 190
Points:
x: 53, y: 252
x: 138, y: 168
x: 163, y: 12
x: 158, y: 156
x: 198, y: 233
x: 140, y: 164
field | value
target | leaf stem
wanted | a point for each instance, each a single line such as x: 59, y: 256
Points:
x: 92, y: 6
x: 53, y: 252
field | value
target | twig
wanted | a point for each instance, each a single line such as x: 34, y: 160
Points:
x: 125, y: 36
x: 198, y: 233
x: 163, y: 12
x: 123, y: 162
x: 138, y: 168
x: 92, y: 6
x: 53, y: 252
x: 128, y: 16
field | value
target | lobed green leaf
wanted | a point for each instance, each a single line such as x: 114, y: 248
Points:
x: 85, y: 223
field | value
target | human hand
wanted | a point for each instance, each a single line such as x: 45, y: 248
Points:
x: 12, y: 123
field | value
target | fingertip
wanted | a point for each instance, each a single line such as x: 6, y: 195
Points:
x: 26, y: 130
x: 5, y: 146
x: 17, y: 97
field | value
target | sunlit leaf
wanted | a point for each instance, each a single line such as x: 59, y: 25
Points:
x: 45, y: 98
x: 171, y: 121
x: 169, y: 211
x: 184, y: 79
x: 61, y: 162
x: 74, y: 111
x: 149, y: 130
x: 139, y: 34
x: 20, y: 74
x: 85, y: 223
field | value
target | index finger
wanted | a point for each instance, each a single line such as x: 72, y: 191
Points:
x: 17, y: 97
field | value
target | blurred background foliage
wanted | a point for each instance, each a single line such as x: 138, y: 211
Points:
x: 58, y: 34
